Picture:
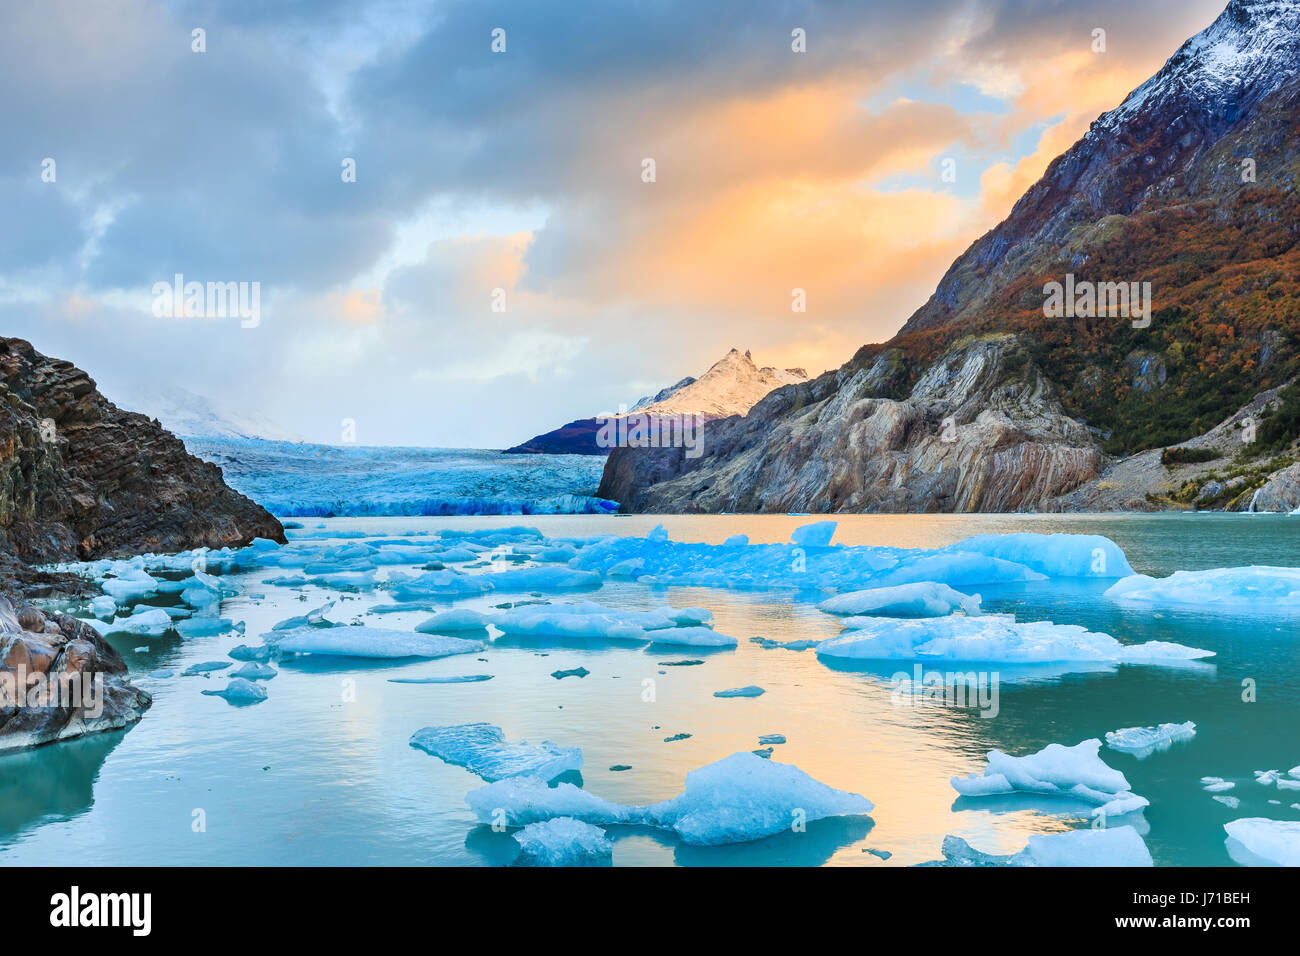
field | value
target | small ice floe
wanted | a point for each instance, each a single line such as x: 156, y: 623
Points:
x: 563, y: 841
x: 455, y: 620
x: 543, y: 579
x: 922, y: 599
x: 313, y: 618
x: 590, y: 620
x: 1056, y: 771
x: 1142, y: 742
x: 572, y: 672
x: 1236, y: 589
x: 369, y: 642
x: 995, y: 638
x: 1275, y: 778
x: 692, y: 637
x: 455, y: 679
x: 739, y: 798
x: 1109, y: 846
x: 144, y: 622
x: 1275, y: 842
x: 1216, y: 784
x: 129, y: 583
x: 240, y: 691
x: 400, y: 607
x: 749, y: 691
x: 204, y: 626
x: 481, y: 749
x: 103, y: 607
x: 764, y: 752
x: 205, y: 667
x: 162, y: 674
x: 880, y: 854
x: 245, y: 652
x: 815, y: 535
x: 254, y: 671
x: 771, y: 739
x: 1228, y: 801
x: 437, y: 585
x: 676, y: 737
x: 768, y: 644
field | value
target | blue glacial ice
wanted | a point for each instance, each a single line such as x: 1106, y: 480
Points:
x: 372, y: 642
x: 1142, y: 742
x: 751, y: 690
x: 1265, y: 841
x: 240, y: 691
x: 1056, y: 771
x: 590, y: 620
x: 1109, y: 846
x: 482, y: 749
x: 922, y: 599
x: 254, y: 671
x: 815, y: 535
x: 455, y: 620
x: 993, y: 638
x: 563, y: 841
x: 739, y: 798
x: 1237, y: 589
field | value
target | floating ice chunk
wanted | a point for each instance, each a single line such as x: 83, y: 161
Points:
x: 161, y: 674
x: 690, y: 616
x: 584, y: 620
x: 772, y: 739
x: 1267, y: 778
x: 204, y: 667
x: 768, y: 644
x: 1055, y: 770
x: 129, y: 584
x: 254, y: 671
x: 438, y: 584
x: 373, y: 642
x: 244, y: 652
x: 956, y: 569
x: 240, y: 691
x: 1237, y: 589
x: 922, y: 599
x: 519, y: 801
x: 1055, y: 555
x: 1216, y: 784
x: 204, y: 626
x: 313, y: 618
x: 1142, y: 742
x: 993, y: 638
x: 1230, y: 802
x: 459, y: 679
x: 1294, y: 773
x: 744, y: 797
x: 692, y: 637
x: 1277, y: 841
x: 563, y: 841
x: 457, y: 619
x: 579, y: 672
x: 1111, y: 846
x: 543, y: 579
x: 736, y: 541
x: 481, y: 749
x: 103, y: 607
x: 750, y: 691
x: 815, y: 535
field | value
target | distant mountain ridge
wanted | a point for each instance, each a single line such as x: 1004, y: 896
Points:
x: 191, y: 415
x: 731, y: 386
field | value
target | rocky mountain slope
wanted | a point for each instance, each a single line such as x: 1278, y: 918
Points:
x: 1189, y: 185
x: 730, y: 387
x: 82, y: 479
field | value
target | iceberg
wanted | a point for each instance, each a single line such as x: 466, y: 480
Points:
x: 1054, y: 555
x: 372, y: 642
x: 481, y: 749
x: 1142, y: 742
x: 922, y: 599
x: 240, y: 691
x: 692, y: 637
x: 254, y: 671
x: 994, y: 638
x: 563, y: 841
x: 204, y: 667
x: 457, y: 619
x: 245, y: 652
x: 1274, y: 841
x: 739, y: 798
x: 815, y: 535
x: 1057, y: 771
x: 1111, y: 846
x: 750, y: 691
x: 543, y: 579
x: 313, y: 618
x: 1237, y: 589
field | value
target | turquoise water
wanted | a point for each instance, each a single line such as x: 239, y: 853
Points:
x: 312, y: 776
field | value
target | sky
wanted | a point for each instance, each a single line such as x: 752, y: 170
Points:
x: 503, y: 261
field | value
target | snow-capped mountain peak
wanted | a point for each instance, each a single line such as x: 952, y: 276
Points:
x: 732, y: 386
x: 190, y: 415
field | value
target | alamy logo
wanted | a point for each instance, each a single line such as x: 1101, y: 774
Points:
x: 179, y: 299
x: 643, y: 430
x: 72, y: 690
x: 1090, y: 300
x: 73, y: 909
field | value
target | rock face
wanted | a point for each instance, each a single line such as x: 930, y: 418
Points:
x: 982, y: 430
x: 59, y: 679
x: 82, y: 479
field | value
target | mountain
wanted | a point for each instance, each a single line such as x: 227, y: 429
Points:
x: 191, y: 415
x: 731, y: 386
x: 1188, y: 185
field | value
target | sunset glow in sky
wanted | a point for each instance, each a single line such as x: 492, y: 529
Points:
x: 520, y: 171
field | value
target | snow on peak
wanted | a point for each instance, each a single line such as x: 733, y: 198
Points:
x: 732, y: 386
x: 191, y: 415
x: 1247, y: 53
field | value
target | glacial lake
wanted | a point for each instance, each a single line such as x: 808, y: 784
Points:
x: 311, y: 776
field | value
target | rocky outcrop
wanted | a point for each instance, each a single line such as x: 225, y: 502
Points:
x: 981, y: 430
x: 1281, y: 492
x: 59, y: 679
x: 81, y: 479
